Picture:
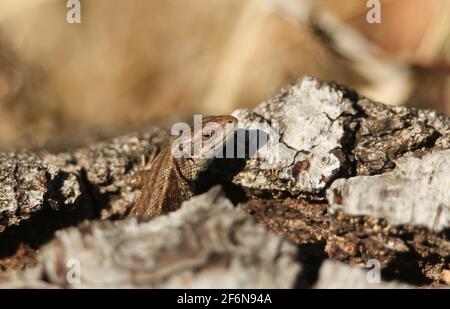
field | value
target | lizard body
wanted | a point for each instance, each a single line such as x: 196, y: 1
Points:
x: 170, y: 179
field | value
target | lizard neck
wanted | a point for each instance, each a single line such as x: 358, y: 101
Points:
x: 191, y: 168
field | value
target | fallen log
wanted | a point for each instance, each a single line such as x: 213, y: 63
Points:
x: 352, y: 180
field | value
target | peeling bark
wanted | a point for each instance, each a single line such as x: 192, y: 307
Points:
x: 335, y: 275
x: 417, y: 192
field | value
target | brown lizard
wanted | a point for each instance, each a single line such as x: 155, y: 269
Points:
x: 170, y: 179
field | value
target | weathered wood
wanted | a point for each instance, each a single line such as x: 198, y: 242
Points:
x: 387, y: 168
x: 206, y: 244
x: 417, y: 192
x: 335, y: 275
x: 95, y: 177
x: 312, y: 121
x: 353, y: 179
x: 326, y: 132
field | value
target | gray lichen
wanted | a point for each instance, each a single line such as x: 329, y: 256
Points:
x: 335, y: 275
x: 417, y: 192
x: 386, y: 133
x: 313, y: 120
x: 23, y: 187
x: 30, y: 183
x: 330, y: 136
x: 108, y: 167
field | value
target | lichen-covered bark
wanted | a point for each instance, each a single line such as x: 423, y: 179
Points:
x: 206, y: 244
x: 314, y: 121
x: 327, y: 132
x: 335, y: 275
x: 417, y: 192
x: 346, y: 179
x: 387, y: 133
x: 28, y: 184
x: 351, y: 174
x: 96, y: 177
x: 108, y: 168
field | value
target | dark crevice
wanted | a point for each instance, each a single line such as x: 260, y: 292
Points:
x: 221, y: 172
x: 301, y: 224
x: 406, y: 269
x: 311, y: 257
x: 40, y: 228
x: 95, y: 200
x: 37, y: 231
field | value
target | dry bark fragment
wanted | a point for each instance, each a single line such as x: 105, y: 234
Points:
x: 314, y: 120
x: 330, y: 136
x: 319, y: 132
x: 207, y: 243
x: 299, y: 221
x: 108, y: 168
x: 28, y: 184
x: 368, y: 139
x: 94, y: 177
x: 386, y: 133
x: 417, y: 193
x: 335, y: 275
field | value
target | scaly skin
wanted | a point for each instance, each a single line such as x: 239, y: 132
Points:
x: 170, y: 180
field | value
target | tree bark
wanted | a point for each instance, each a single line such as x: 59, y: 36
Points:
x: 340, y: 177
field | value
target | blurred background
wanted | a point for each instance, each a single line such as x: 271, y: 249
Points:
x: 136, y: 63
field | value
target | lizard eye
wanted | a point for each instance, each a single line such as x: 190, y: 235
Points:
x: 208, y: 134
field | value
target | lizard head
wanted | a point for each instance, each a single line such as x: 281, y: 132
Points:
x: 215, y: 131
x: 204, y: 141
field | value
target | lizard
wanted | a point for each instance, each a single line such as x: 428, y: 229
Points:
x: 170, y: 179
